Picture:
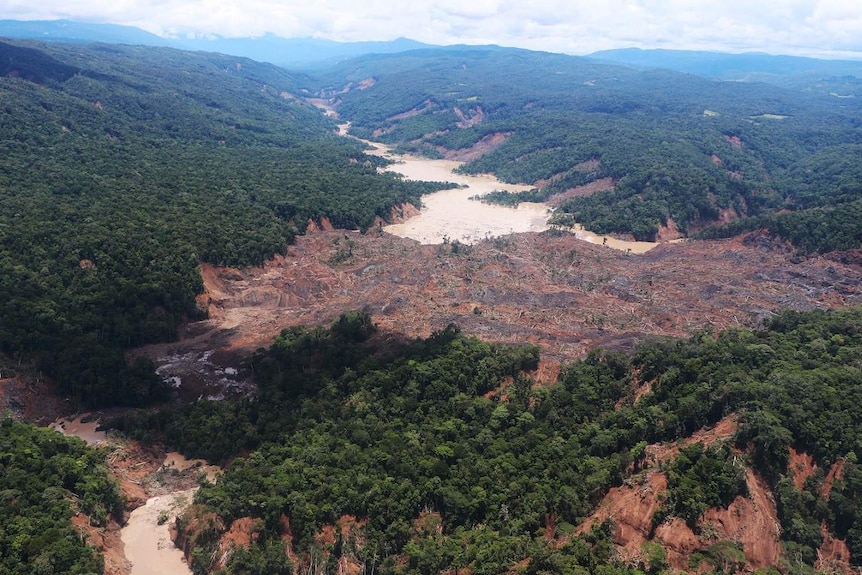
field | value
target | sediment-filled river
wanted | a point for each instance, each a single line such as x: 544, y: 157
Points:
x: 146, y: 536
x: 452, y: 215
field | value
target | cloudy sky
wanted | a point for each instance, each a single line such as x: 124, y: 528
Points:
x: 812, y: 27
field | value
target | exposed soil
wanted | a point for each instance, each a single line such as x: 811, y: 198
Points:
x: 833, y: 555
x: 107, y: 541
x: 724, y: 430
x: 750, y: 521
x: 477, y: 150
x: 566, y: 295
x: 594, y: 187
x: 668, y: 232
x: 240, y: 534
x: 801, y: 466
x: 836, y: 473
x: 28, y: 396
x: 469, y: 119
x: 631, y: 508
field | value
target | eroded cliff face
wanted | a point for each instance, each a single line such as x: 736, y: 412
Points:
x: 749, y: 523
x: 201, y: 528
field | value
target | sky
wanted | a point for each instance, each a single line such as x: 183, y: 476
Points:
x: 830, y: 28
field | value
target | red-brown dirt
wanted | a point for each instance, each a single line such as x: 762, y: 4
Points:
x: 563, y: 294
x: 131, y: 464
x: 833, y: 555
x: 721, y: 431
x: 566, y: 295
x: 351, y: 533
x: 631, y: 508
x: 668, y: 232
x: 678, y: 540
x: 287, y: 538
x: 593, y: 187
x: 242, y: 533
x: 800, y: 466
x: 471, y: 118
x: 836, y: 473
x: 107, y: 541
x: 751, y: 521
x: 477, y: 150
x: 199, y: 523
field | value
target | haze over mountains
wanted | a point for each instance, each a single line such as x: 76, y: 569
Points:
x: 303, y: 52
x: 269, y: 48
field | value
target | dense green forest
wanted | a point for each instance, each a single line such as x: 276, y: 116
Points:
x: 351, y: 421
x: 124, y: 168
x: 678, y: 146
x: 44, y: 479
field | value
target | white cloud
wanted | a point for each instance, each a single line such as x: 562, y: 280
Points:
x: 574, y: 26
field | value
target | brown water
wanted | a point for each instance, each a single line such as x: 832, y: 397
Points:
x: 77, y: 428
x: 452, y: 215
x: 147, y: 544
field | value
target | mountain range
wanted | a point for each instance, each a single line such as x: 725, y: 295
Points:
x: 291, y: 52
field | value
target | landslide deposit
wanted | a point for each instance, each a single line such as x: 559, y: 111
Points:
x: 566, y: 295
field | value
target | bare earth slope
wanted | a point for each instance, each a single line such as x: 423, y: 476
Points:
x: 566, y: 295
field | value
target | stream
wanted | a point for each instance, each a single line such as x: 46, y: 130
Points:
x: 148, y: 544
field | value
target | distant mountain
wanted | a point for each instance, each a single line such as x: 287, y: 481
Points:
x: 69, y: 31
x: 289, y: 52
x: 752, y: 66
x: 296, y: 52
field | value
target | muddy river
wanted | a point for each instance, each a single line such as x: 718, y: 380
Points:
x: 146, y: 537
x: 452, y: 215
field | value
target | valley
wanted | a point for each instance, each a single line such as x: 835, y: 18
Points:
x: 395, y: 377
x: 566, y: 295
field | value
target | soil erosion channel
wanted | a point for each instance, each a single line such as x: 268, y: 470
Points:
x: 452, y: 215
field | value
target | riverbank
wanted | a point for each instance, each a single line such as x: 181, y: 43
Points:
x: 450, y: 215
x: 157, y: 486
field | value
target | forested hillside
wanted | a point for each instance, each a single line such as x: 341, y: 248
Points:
x: 682, y: 151
x: 124, y: 168
x: 45, y: 479
x: 442, y: 454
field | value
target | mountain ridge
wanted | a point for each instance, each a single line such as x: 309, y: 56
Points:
x: 296, y: 52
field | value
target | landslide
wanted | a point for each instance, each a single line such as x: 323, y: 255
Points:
x: 750, y: 523
x: 565, y: 295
